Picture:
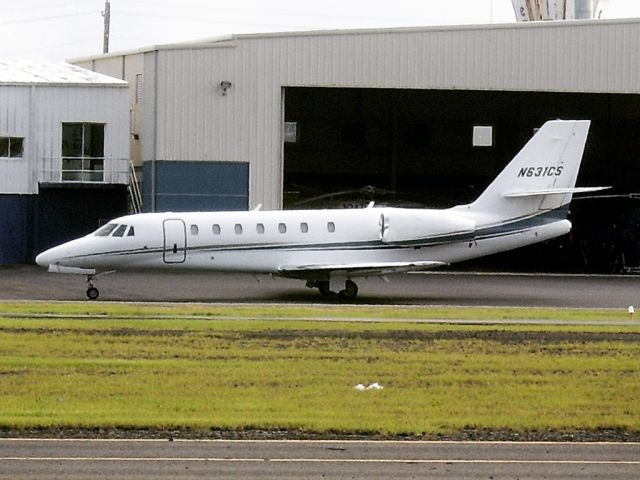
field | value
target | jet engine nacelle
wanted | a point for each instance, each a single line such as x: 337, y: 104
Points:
x: 406, y: 225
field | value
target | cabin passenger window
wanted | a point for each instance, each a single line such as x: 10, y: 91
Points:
x: 194, y: 230
x: 238, y: 229
x: 331, y: 227
x: 215, y: 228
x: 304, y: 228
x: 105, y: 230
x: 260, y: 228
x: 131, y: 232
x: 282, y: 228
x: 119, y: 232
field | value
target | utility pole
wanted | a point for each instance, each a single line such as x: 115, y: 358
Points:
x: 107, y: 18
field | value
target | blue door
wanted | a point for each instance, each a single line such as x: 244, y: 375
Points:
x: 175, y: 241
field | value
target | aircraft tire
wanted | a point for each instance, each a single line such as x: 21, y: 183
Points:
x: 350, y: 290
x: 92, y: 293
x: 323, y: 288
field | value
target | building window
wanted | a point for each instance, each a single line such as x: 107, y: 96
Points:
x: 282, y: 228
x: 238, y: 229
x: 291, y: 132
x: 11, y: 147
x: 482, y: 136
x: 215, y: 228
x: 82, y: 152
x: 304, y: 228
x: 331, y: 227
x: 260, y: 228
x: 194, y: 230
x: 139, y: 85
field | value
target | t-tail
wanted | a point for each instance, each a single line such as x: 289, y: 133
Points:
x: 541, y: 178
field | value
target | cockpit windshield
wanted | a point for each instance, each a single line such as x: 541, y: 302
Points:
x: 105, y: 230
x: 119, y: 232
x: 115, y: 230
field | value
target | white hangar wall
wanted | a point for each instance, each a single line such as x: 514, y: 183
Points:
x: 37, y: 114
x: 186, y: 117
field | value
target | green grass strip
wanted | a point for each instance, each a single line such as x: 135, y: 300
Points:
x: 153, y: 370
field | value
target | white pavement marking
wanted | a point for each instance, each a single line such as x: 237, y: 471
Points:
x: 321, y: 460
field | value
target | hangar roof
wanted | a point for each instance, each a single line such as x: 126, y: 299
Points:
x: 52, y: 73
x: 230, y: 39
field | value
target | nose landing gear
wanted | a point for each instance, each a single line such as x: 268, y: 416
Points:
x: 92, y: 292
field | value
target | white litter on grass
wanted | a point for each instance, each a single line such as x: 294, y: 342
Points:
x: 374, y: 386
x: 631, y: 310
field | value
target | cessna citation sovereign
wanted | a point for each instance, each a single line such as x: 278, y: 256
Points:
x: 528, y: 202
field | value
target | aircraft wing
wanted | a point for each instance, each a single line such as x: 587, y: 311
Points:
x: 317, y: 271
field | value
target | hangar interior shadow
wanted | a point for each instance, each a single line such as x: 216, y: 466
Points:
x: 414, y: 148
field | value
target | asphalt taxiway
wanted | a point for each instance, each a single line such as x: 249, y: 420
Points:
x: 129, y: 459
x: 27, y: 282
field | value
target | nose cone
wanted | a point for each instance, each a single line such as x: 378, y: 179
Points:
x: 69, y: 257
x: 48, y: 257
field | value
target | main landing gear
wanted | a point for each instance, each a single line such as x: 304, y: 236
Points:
x: 349, y: 292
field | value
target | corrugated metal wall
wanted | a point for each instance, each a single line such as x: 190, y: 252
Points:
x: 196, y: 122
x: 37, y: 113
x: 15, y: 122
x: 188, y: 118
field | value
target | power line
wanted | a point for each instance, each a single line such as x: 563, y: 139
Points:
x: 39, y: 19
x: 207, y: 20
x: 181, y: 4
x: 45, y: 48
x: 48, y: 5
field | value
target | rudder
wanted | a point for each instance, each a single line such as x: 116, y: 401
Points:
x: 541, y: 177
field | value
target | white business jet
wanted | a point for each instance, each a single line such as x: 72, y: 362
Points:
x: 527, y: 203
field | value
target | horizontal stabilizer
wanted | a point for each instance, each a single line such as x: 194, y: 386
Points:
x: 354, y: 269
x: 551, y: 191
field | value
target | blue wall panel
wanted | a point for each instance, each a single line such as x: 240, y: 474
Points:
x: 196, y: 186
x: 15, y: 228
x: 30, y: 224
x: 68, y: 212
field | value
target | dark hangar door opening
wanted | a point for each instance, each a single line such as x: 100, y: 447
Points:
x: 346, y: 146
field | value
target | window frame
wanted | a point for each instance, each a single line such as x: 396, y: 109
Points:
x: 91, y: 167
x: 120, y: 230
x: 19, y: 147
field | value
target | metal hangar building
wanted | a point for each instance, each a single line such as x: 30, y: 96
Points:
x: 411, y: 116
x: 64, y: 154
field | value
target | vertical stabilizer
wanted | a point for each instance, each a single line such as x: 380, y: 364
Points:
x: 541, y: 177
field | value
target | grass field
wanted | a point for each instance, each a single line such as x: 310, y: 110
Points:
x: 95, y: 365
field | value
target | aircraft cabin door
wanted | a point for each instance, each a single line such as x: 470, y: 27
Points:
x: 175, y: 241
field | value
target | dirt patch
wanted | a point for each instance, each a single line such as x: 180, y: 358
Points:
x: 580, y: 435
x: 501, y: 336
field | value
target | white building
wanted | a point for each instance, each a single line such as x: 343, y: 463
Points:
x: 64, y: 154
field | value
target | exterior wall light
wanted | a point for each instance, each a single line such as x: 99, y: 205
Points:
x: 225, y: 85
